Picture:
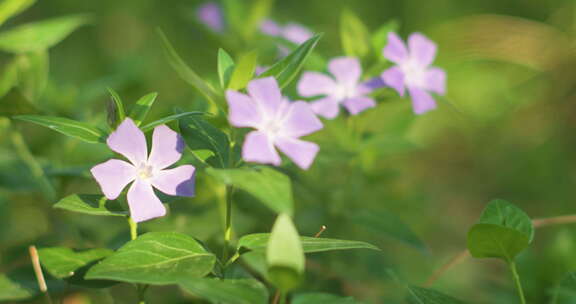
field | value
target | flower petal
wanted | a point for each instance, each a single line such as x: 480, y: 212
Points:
x: 129, y: 141
x: 270, y: 27
x: 395, y: 50
x: 314, y: 84
x: 167, y: 147
x: 358, y: 104
x: 394, y: 78
x: 435, y: 80
x: 346, y: 70
x: 243, y: 111
x: 422, y: 102
x: 259, y: 149
x: 302, y: 153
x: 143, y: 202
x: 112, y: 176
x: 422, y: 49
x: 300, y: 120
x: 296, y: 33
x: 266, y: 94
x: 326, y: 107
x: 177, y: 181
x: 211, y: 15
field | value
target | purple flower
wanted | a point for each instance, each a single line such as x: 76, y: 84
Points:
x: 292, y: 32
x: 211, y: 15
x: 345, y: 88
x: 413, y: 70
x: 145, y: 171
x: 278, y: 122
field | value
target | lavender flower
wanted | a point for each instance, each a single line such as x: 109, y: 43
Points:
x: 345, y: 88
x: 413, y: 70
x: 144, y: 171
x: 292, y: 32
x: 211, y: 15
x: 278, y: 122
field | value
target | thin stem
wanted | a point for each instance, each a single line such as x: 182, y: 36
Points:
x: 38, y: 272
x: 133, y: 229
x: 140, y: 288
x: 227, y: 224
x: 276, y: 297
x: 517, y: 282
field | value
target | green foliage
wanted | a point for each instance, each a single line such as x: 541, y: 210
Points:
x: 156, y: 258
x: 170, y: 118
x: 286, y: 69
x: 258, y: 242
x: 565, y: 292
x: 269, y: 186
x: 419, y: 295
x: 68, y: 127
x: 32, y: 74
x: 354, y: 35
x: 90, y: 204
x: 11, y: 290
x: 284, y: 254
x: 116, y: 112
x: 140, y: 109
x: 243, y: 71
x: 232, y: 291
x: 225, y: 68
x: 201, y: 135
x: 379, y: 38
x: 11, y: 8
x: 315, y: 298
x: 62, y: 262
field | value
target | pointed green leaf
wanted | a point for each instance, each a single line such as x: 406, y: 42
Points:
x: 419, y: 295
x: 284, y: 254
x: 90, y: 204
x: 9, y: 78
x: 243, y: 71
x: 354, y: 35
x: 318, y: 297
x: 39, y: 35
x: 62, y: 262
x: 260, y: 9
x: 271, y: 187
x: 258, y: 242
x: 201, y: 135
x: 69, y: 127
x: 156, y: 258
x: 286, y: 69
x: 11, y: 8
x: 225, y: 68
x: 116, y: 112
x: 11, y: 290
x: 141, y: 108
x: 168, y: 119
x: 380, y: 37
x: 230, y: 291
x: 33, y: 74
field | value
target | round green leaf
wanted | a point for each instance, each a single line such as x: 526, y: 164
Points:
x: 495, y: 241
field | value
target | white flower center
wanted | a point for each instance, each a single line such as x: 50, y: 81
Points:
x: 344, y: 92
x: 413, y: 72
x: 272, y: 127
x: 145, y: 171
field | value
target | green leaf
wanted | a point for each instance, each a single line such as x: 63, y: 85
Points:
x: 286, y: 69
x: 354, y: 35
x: 380, y: 37
x: 235, y: 13
x: 156, y: 258
x: 565, y: 292
x: 260, y: 9
x: 11, y: 8
x: 243, y: 71
x: 230, y: 291
x: 186, y: 73
x: 284, y: 254
x: 11, y: 290
x: 33, y: 74
x: 258, y: 242
x: 495, y: 241
x: 68, y: 127
x: 9, y: 78
x: 271, y: 187
x: 389, y: 224
x: 419, y: 295
x: 201, y: 135
x: 167, y: 119
x: 141, y: 108
x: 503, y: 213
x: 318, y: 297
x: 41, y: 35
x: 90, y: 204
x: 116, y: 112
x: 225, y: 68
x: 62, y: 262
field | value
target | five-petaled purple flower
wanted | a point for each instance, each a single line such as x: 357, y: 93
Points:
x: 292, y: 32
x: 211, y: 15
x: 145, y: 171
x: 413, y: 70
x: 344, y: 89
x: 278, y: 122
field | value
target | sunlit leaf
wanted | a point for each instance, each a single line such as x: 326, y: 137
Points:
x: 168, y: 119
x: 354, y: 35
x: 11, y: 8
x: 225, y: 68
x: 141, y: 108
x: 258, y: 242
x: 69, y: 127
x: 62, y: 262
x: 243, y: 71
x: 230, y: 291
x: 284, y: 254
x: 90, y: 204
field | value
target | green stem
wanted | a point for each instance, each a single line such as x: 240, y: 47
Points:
x: 283, y: 297
x: 227, y: 224
x: 516, y: 279
x: 140, y: 288
x: 133, y: 229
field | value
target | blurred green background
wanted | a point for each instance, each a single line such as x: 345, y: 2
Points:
x: 506, y: 129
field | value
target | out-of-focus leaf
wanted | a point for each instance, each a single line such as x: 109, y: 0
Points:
x: 566, y: 291
x: 38, y: 36
x: 230, y: 291
x: 68, y: 127
x: 284, y: 254
x: 419, y: 295
x: 62, y: 262
x: 33, y: 74
x: 168, y: 119
x: 156, y: 258
x: 11, y: 290
x: 318, y: 297
x: 243, y: 71
x: 116, y: 113
x: 201, y: 135
x: 141, y: 108
x: 271, y: 187
x: 11, y: 8
x: 384, y: 222
x: 286, y: 69
x: 380, y: 37
x: 258, y: 242
x: 354, y: 35
x: 186, y: 73
x: 225, y: 68
x: 235, y: 13
x: 90, y: 204
x: 9, y: 77
x: 260, y: 9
